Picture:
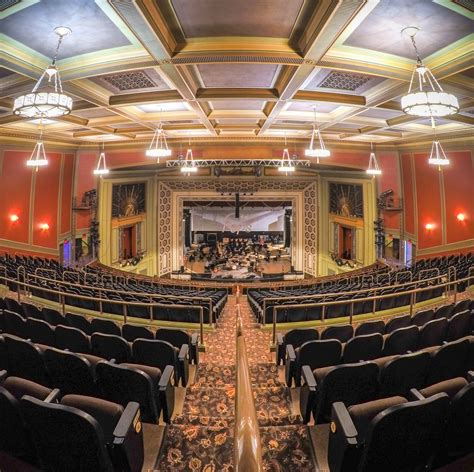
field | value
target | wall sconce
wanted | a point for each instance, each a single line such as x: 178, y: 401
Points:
x: 44, y: 226
x: 14, y: 218
x: 461, y: 217
x: 429, y: 226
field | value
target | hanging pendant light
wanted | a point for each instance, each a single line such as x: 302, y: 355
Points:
x: 425, y: 95
x: 189, y: 165
x: 373, y: 168
x: 313, y: 150
x: 38, y: 156
x: 437, y: 155
x: 158, y: 146
x: 286, y: 164
x: 43, y: 103
x: 101, y: 168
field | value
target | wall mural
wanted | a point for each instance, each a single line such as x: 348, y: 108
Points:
x: 128, y: 200
x: 346, y: 200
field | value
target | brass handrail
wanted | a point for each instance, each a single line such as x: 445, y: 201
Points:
x: 247, y: 446
x: 374, y: 299
x: 62, y: 300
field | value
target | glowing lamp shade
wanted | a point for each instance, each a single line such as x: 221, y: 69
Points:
x: 286, y: 164
x: 44, y: 226
x: 14, y: 218
x: 429, y: 226
x: 189, y: 165
x: 38, y: 156
x: 461, y: 217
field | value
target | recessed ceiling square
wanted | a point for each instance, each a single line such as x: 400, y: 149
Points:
x: 165, y: 106
x: 92, y: 30
x: 380, y: 30
x: 267, y: 18
x: 309, y: 106
x: 237, y: 104
x: 146, y: 80
x: 237, y: 75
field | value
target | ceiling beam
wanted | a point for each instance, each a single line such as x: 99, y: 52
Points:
x: 340, y: 98
x: 236, y: 93
x: 142, y: 98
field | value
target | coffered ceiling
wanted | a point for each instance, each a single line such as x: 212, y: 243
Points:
x: 226, y: 70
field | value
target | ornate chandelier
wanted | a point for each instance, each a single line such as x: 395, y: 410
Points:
x: 425, y: 95
x: 189, y: 165
x: 101, y: 168
x: 373, y: 168
x: 38, y: 156
x: 158, y: 146
x: 313, y: 150
x: 286, y: 164
x: 47, y: 104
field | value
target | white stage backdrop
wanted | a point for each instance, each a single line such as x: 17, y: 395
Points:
x: 223, y: 219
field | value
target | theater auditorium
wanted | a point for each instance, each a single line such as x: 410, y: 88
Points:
x: 236, y: 235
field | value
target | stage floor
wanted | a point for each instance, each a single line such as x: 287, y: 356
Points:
x: 282, y: 266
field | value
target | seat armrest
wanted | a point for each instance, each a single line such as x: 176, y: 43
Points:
x: 166, y: 377
x: 183, y: 352
x: 166, y: 393
x: 308, y: 377
x: 340, y: 415
x: 280, y: 340
x: 470, y: 376
x: 53, y: 397
x: 194, y: 339
x: 290, y: 352
x: 127, y: 448
x: 3, y: 375
x: 414, y: 395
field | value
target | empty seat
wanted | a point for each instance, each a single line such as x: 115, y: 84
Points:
x: 105, y: 326
x: 397, y: 322
x: 422, y: 317
x: 145, y: 385
x: 52, y: 316
x: 387, y: 435
x: 79, y: 322
x: 110, y: 347
x: 13, y: 305
x: 449, y: 361
x: 32, y: 311
x: 179, y: 338
x: 131, y: 332
x: 348, y: 383
x: 342, y: 333
x: 315, y: 354
x: 444, y: 311
x: 459, y: 325
x: 41, y: 332
x: 73, y: 339
x: 14, y: 324
x: 296, y: 313
x: 71, y: 372
x: 433, y: 333
x: 461, y: 306
x: 370, y: 327
x: 401, y: 341
x: 363, y: 348
x: 295, y: 337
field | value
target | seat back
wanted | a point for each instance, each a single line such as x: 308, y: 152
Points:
x: 433, y: 333
x: 363, y: 348
x: 322, y: 353
x: 297, y: 337
x: 401, y: 374
x: 14, y: 324
x: 347, y: 383
x: 13, y: 305
x: 52, y: 316
x: 444, y: 311
x: 397, y: 322
x: 73, y: 339
x: 401, y: 341
x: 109, y: 347
x: 176, y: 337
x: 70, y: 372
x: 123, y: 384
x: 459, y: 325
x: 422, y: 317
x: 66, y: 438
x: 105, y: 326
x: 79, y: 322
x: 32, y: 311
x: 370, y: 327
x: 41, y: 332
x: 131, y: 332
x: 461, y: 306
x: 342, y: 333
x: 154, y: 353
x: 406, y: 436
x: 449, y: 361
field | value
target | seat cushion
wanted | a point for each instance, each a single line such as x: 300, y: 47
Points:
x: 91, y: 358
x: 106, y: 413
x: 153, y: 372
x: 19, y: 387
x: 320, y: 374
x: 451, y: 387
x: 363, y: 413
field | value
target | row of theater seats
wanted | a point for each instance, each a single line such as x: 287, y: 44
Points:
x: 44, y: 429
x: 134, y: 290
x: 303, y: 346
x: 420, y: 430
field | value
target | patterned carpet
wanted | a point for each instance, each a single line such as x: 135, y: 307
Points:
x: 201, y: 438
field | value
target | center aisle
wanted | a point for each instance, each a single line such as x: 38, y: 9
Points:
x: 201, y: 438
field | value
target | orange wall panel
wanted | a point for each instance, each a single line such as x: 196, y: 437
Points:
x: 15, y: 185
x: 390, y: 180
x: 408, y: 196
x: 66, y: 200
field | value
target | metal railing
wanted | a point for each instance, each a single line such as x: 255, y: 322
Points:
x: 445, y: 285
x: 61, y: 296
x: 247, y: 446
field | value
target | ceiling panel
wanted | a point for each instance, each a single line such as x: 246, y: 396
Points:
x: 124, y: 82
x: 270, y: 18
x: 340, y: 81
x: 5, y: 72
x: 92, y: 30
x: 237, y: 104
x: 94, y: 113
x: 382, y: 114
x: 237, y: 75
x: 165, y: 106
x: 308, y: 106
x: 380, y: 30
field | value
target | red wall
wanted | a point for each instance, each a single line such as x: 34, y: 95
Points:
x: 390, y: 180
x: 408, y: 194
x: 34, y: 196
